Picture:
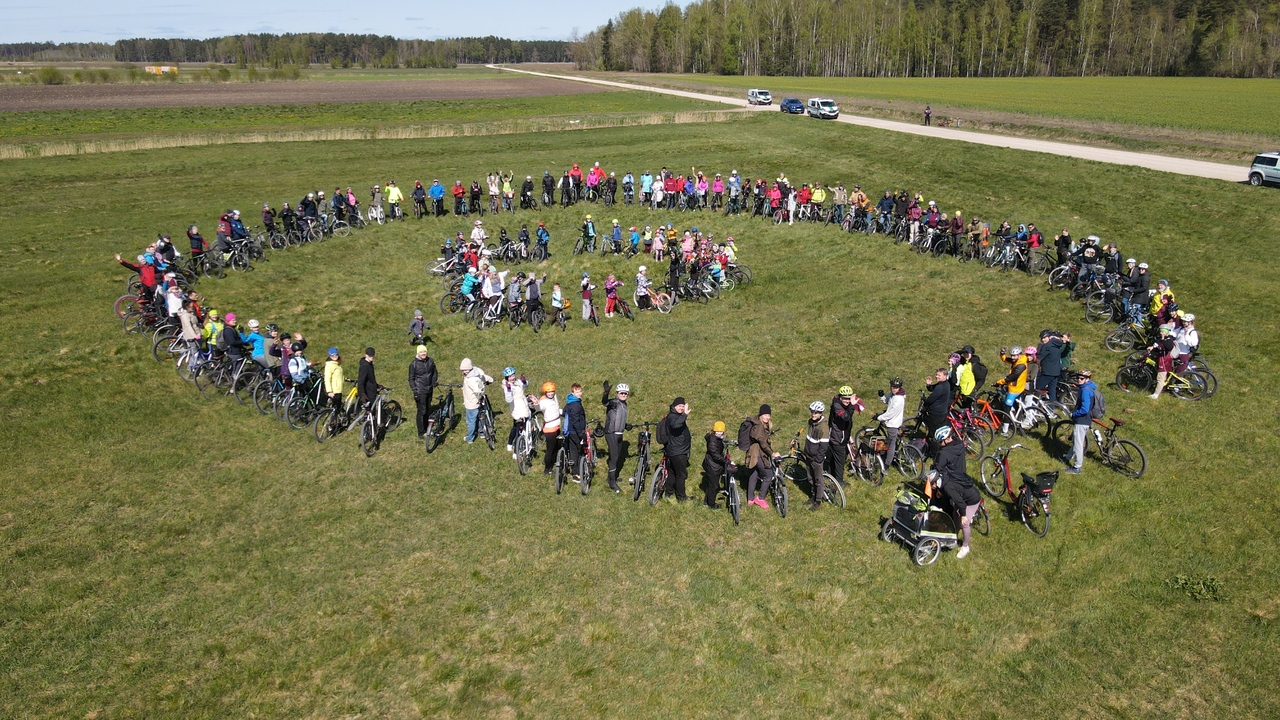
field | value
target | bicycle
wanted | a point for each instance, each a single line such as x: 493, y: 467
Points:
x: 338, y: 418
x: 443, y: 419
x: 1186, y: 385
x: 377, y: 418
x: 643, y: 458
x: 485, y: 423
x: 624, y: 309
x: 797, y: 468
x: 589, y: 457
x: 656, y: 300
x: 1032, y: 497
x: 732, y: 494
x: 526, y: 444
x: 1119, y: 454
x: 866, y: 456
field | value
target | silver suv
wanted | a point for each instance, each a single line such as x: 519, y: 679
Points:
x: 1265, y: 169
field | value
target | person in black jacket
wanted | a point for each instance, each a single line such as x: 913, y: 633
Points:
x: 367, y: 381
x: 715, y: 463
x: 615, y: 423
x: 938, y: 402
x: 1050, y: 354
x: 843, y: 407
x: 548, y: 188
x: 229, y: 340
x: 422, y: 383
x: 957, y: 486
x: 575, y: 426
x: 677, y: 447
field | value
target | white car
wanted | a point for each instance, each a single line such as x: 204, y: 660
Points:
x: 1265, y: 169
x: 759, y: 97
x: 822, y: 108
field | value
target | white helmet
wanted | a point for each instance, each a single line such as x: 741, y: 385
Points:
x: 817, y: 407
x: 643, y: 268
x: 624, y: 388
x: 478, y: 223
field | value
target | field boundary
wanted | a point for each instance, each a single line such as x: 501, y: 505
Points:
x: 55, y: 148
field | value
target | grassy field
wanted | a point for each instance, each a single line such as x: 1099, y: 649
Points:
x: 27, y: 126
x: 167, y: 556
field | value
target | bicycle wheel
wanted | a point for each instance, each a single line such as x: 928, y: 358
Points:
x: 1127, y: 458
x: 536, y: 318
x: 243, y: 384
x: 911, y: 461
x: 206, y: 380
x: 657, y: 484
x: 733, y: 499
x: 625, y: 309
x: 1034, y: 514
x: 126, y: 304
x: 435, y: 431
x: 451, y: 303
x: 663, y: 303
x: 186, y: 365
x: 974, y: 446
x: 521, y: 451
x: 637, y: 479
x: 262, y: 396
x: 834, y: 493
x: 1193, y: 390
x: 1135, y: 378
x: 394, y: 415
x: 584, y: 474
x: 368, y: 437
x: 298, y: 413
x: 560, y: 470
x: 1210, y: 381
x: 926, y: 551
x: 1119, y: 340
x: 489, y: 436
x: 992, y: 473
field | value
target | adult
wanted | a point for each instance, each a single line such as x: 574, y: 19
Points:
x: 817, y: 442
x: 615, y: 423
x: 891, y: 418
x: 474, y: 381
x: 928, y: 115
x: 843, y: 407
x: 394, y: 198
x: 1081, y: 419
x: 938, y: 402
x: 367, y: 378
x: 676, y: 445
x: 956, y: 483
x: 760, y: 457
x: 422, y: 383
x: 1050, y: 354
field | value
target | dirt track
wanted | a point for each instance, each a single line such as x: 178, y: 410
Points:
x: 108, y: 97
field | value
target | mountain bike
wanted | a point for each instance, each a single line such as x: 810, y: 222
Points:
x: 303, y: 403
x: 485, y: 423
x: 643, y: 458
x: 443, y: 419
x: 590, y: 456
x: 338, y: 418
x: 658, y: 483
x: 1141, y: 377
x: 867, y: 450
x: 1120, y: 454
x: 376, y: 419
x: 625, y: 310
x: 1031, y: 500
x: 490, y: 312
x: 525, y: 447
x: 730, y: 491
x: 562, y: 318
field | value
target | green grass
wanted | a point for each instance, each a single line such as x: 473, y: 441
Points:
x: 63, y: 123
x: 1214, y: 104
x: 167, y: 556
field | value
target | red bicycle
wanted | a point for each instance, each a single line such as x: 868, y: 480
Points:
x: 1032, y: 497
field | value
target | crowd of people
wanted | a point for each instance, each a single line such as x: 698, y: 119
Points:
x: 1039, y: 368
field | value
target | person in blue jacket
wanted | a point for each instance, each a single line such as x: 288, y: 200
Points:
x: 1081, y: 419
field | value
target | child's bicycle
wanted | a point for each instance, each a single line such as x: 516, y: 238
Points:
x: 442, y: 420
x: 526, y: 443
x: 1031, y: 501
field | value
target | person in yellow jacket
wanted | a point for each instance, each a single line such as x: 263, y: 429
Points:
x: 963, y: 380
x: 394, y: 198
x: 1015, y: 383
x: 334, y: 382
x: 212, y: 326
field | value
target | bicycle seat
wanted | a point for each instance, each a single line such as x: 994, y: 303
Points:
x: 1118, y: 423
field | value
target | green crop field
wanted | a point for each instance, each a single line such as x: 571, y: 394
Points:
x: 1212, y: 104
x: 48, y: 124
x: 166, y: 556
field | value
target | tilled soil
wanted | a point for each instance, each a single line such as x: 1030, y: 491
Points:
x: 110, y: 97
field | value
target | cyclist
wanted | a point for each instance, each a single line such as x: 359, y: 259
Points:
x: 515, y: 294
x: 615, y: 423
x: 715, y: 463
x: 257, y: 342
x: 575, y: 427
x: 1162, y: 352
x: 548, y: 188
x: 211, y: 328
x: 508, y: 193
x: 673, y: 434
x: 1081, y: 419
x: 1015, y: 383
x: 469, y: 282
x: 550, y: 409
x: 844, y: 406
x: 422, y: 383
x: 588, y: 231
x: 375, y: 201
x: 938, y: 402
x: 1050, y: 354
x: 817, y: 442
x: 643, y: 283
x: 198, y: 244
x: 611, y: 285
x: 474, y: 381
x: 533, y: 292
x: 760, y: 455
x: 526, y: 192
x: 339, y: 204
x: 367, y: 379
x: 544, y: 237
x: 885, y: 206
x: 307, y: 208
x: 395, y: 197
x: 557, y: 298
x: 334, y: 382
x: 230, y: 342
x: 459, y: 192
x: 635, y: 240
x: 478, y: 235
x: 515, y: 390
x: 436, y: 193
x: 586, y: 288
x: 895, y: 404
x: 566, y: 189
x: 491, y: 290
x: 1185, y: 340
x: 956, y: 483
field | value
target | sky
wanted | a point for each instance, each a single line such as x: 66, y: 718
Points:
x: 108, y: 21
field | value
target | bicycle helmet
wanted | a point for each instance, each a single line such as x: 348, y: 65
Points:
x: 1031, y: 352
x: 643, y: 268
x: 586, y: 275
x: 1189, y: 318
x: 588, y: 217
x: 1131, y: 261
x: 845, y: 391
x: 895, y: 383
x: 253, y: 323
x: 615, y: 221
x: 478, y: 223
x: 272, y: 327
x: 508, y: 371
x: 942, y: 433
x: 817, y: 407
x: 718, y: 426
x: 548, y: 387
x: 1093, y: 239
x: 333, y: 352
x: 1143, y: 266
x: 1015, y: 352
x: 623, y: 388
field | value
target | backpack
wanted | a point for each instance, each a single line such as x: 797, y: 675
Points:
x: 1098, y: 408
x: 744, y: 435
x: 662, y: 434
x: 979, y: 372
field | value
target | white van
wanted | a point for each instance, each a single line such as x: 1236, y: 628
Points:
x: 759, y: 97
x: 824, y: 108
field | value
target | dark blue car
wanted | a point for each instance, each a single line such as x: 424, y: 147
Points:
x: 792, y: 105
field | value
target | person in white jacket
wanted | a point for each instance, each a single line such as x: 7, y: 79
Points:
x: 896, y: 402
x: 549, y: 406
x: 513, y: 389
x: 474, y: 381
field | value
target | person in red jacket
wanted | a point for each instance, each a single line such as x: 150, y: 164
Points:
x: 459, y: 192
x: 146, y: 275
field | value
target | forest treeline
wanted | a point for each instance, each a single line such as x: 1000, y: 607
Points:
x: 302, y: 49
x: 947, y: 38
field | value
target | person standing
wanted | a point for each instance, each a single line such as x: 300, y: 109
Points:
x: 676, y: 445
x: 956, y: 483
x: 1050, y: 354
x: 928, y: 115
x: 422, y: 383
x: 817, y: 441
x: 1081, y: 419
x: 550, y: 409
x: 367, y: 379
x: 938, y: 403
x: 575, y: 427
x: 843, y: 407
x: 474, y: 381
x: 760, y: 456
x: 895, y: 404
x: 715, y: 464
x: 615, y: 423
x: 515, y: 391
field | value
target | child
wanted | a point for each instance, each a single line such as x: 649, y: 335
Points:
x: 635, y: 240
x: 587, y: 287
x: 418, y: 329
x: 714, y: 464
x: 557, y: 298
x: 611, y: 285
x: 648, y: 240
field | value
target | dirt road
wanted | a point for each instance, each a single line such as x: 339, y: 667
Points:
x: 105, y: 97
x: 1180, y: 166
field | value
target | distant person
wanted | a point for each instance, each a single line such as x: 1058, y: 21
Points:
x: 928, y: 115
